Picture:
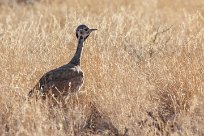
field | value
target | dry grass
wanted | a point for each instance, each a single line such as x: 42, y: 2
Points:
x: 143, y: 67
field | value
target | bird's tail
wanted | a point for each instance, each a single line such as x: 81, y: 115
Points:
x: 33, y: 91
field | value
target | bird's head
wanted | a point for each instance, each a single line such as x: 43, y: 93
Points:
x: 83, y: 32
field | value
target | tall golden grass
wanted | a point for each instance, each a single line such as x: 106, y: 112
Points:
x: 143, y: 67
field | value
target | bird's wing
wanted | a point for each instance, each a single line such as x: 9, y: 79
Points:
x: 63, y: 73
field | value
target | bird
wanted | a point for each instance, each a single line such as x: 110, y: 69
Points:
x: 68, y: 78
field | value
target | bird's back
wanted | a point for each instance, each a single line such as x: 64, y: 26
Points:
x: 63, y: 80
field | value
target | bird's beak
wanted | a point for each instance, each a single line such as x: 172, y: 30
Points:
x: 91, y: 30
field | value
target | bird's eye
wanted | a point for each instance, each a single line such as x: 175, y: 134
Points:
x: 86, y: 29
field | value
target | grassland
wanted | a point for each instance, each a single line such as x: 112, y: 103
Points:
x: 144, y: 67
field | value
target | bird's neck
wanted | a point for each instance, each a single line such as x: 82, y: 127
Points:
x: 77, y: 56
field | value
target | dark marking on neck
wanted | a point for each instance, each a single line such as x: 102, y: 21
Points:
x: 81, y: 37
x: 76, y: 59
